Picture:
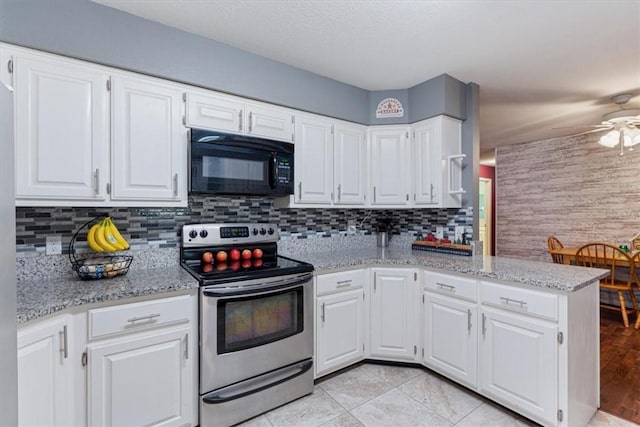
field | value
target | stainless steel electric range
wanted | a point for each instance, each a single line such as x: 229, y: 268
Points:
x: 255, y: 310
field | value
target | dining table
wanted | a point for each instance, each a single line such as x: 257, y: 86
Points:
x: 568, y: 254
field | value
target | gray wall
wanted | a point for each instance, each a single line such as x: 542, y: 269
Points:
x: 8, y: 362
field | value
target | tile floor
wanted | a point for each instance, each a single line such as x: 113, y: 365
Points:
x: 388, y: 395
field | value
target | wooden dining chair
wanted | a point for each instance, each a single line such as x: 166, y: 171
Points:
x: 554, y: 243
x: 622, y: 276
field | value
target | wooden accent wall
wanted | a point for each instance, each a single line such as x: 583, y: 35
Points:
x: 570, y: 187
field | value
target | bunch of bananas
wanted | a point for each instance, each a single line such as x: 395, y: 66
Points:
x: 105, y: 237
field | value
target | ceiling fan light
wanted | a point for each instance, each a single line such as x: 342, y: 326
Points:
x: 610, y: 139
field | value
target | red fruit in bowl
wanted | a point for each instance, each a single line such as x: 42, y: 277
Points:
x: 207, y: 258
x: 234, y: 254
x: 246, y: 263
x: 246, y: 254
x: 221, y: 256
x: 257, y: 263
x: 222, y: 266
x: 235, y: 266
x: 257, y: 253
x: 207, y: 268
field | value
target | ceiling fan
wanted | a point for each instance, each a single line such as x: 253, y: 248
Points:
x: 623, y: 126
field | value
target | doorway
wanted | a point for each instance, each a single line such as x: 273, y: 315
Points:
x: 485, y: 214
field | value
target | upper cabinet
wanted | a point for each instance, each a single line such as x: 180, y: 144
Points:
x: 87, y: 136
x: 350, y: 164
x: 437, y: 162
x: 231, y: 114
x: 390, y: 172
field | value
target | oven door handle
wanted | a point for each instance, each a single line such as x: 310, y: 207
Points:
x: 257, y: 384
x: 258, y: 288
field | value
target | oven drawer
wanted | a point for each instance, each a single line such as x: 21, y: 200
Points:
x: 337, y: 282
x: 525, y: 301
x: 137, y: 316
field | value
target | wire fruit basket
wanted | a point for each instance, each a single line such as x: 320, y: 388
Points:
x: 92, y: 266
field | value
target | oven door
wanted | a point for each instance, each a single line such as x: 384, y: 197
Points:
x: 252, y: 327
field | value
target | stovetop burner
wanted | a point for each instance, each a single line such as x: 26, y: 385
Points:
x: 223, y: 253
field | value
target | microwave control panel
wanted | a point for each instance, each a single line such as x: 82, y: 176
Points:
x: 284, y: 170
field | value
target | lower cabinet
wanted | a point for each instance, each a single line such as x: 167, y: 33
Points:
x: 518, y: 362
x: 44, y: 374
x: 450, y: 333
x: 395, y: 303
x: 141, y: 380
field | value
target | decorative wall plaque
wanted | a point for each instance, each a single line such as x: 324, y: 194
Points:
x: 389, y: 107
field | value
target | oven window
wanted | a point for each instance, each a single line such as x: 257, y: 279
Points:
x: 250, y: 322
x: 230, y: 168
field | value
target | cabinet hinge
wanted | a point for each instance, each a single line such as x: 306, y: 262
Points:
x: 407, y: 134
x: 184, y: 120
x: 560, y: 414
x: 84, y: 359
x: 560, y: 337
x: 10, y: 66
x: 109, y: 84
x: 184, y: 96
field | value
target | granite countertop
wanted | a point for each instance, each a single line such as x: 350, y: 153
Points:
x: 533, y: 273
x: 40, y: 297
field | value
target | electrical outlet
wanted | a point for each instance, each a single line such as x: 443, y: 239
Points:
x: 351, y: 227
x: 53, y: 245
x: 439, y: 232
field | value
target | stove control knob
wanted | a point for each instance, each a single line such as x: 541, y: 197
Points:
x: 193, y: 234
x: 271, y: 230
x: 255, y: 231
x: 263, y: 231
x: 204, y: 234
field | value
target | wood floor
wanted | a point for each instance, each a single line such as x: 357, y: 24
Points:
x: 619, y: 367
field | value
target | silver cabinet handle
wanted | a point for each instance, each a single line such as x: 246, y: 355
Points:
x: 148, y: 317
x: 186, y: 346
x: 445, y: 286
x: 175, y: 185
x: 339, y: 191
x: 97, y: 181
x: 375, y: 279
x: 300, y: 191
x: 374, y: 194
x: 469, y: 319
x: 431, y: 193
x: 343, y: 283
x: 240, y: 120
x: 484, y: 324
x: 250, y: 121
x: 64, y: 347
x: 322, y: 315
x: 509, y: 301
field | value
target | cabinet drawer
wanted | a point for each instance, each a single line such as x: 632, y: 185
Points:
x: 333, y: 282
x: 137, y: 316
x: 525, y: 301
x: 455, y: 286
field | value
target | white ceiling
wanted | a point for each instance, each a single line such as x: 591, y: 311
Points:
x: 539, y: 64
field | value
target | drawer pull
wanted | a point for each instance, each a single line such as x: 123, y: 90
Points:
x: 445, y: 286
x: 322, y: 315
x: 511, y: 301
x: 343, y: 283
x: 149, y: 317
x: 484, y: 325
x: 469, y: 319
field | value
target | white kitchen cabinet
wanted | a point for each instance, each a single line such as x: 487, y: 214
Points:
x: 519, y: 362
x: 45, y: 383
x: 226, y: 113
x: 141, y: 367
x: 349, y: 164
x: 313, y: 160
x: 395, y: 301
x: 390, y: 166
x: 149, y: 142
x: 340, y: 330
x: 89, y: 136
x: 450, y: 333
x: 62, y: 128
x: 437, y: 162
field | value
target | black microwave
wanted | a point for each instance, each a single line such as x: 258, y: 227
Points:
x: 222, y: 163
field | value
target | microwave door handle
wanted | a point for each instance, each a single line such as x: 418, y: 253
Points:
x: 273, y: 178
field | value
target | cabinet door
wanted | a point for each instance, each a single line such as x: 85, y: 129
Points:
x: 313, y: 160
x: 270, y: 122
x: 452, y: 161
x: 149, y: 141
x: 44, y: 375
x: 62, y: 132
x: 142, y: 380
x: 427, y: 163
x: 519, y: 363
x: 340, y: 328
x: 214, y: 112
x: 394, y: 314
x: 390, y: 167
x: 349, y: 162
x: 451, y: 337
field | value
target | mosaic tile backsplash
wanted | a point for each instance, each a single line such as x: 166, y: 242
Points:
x: 161, y: 227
